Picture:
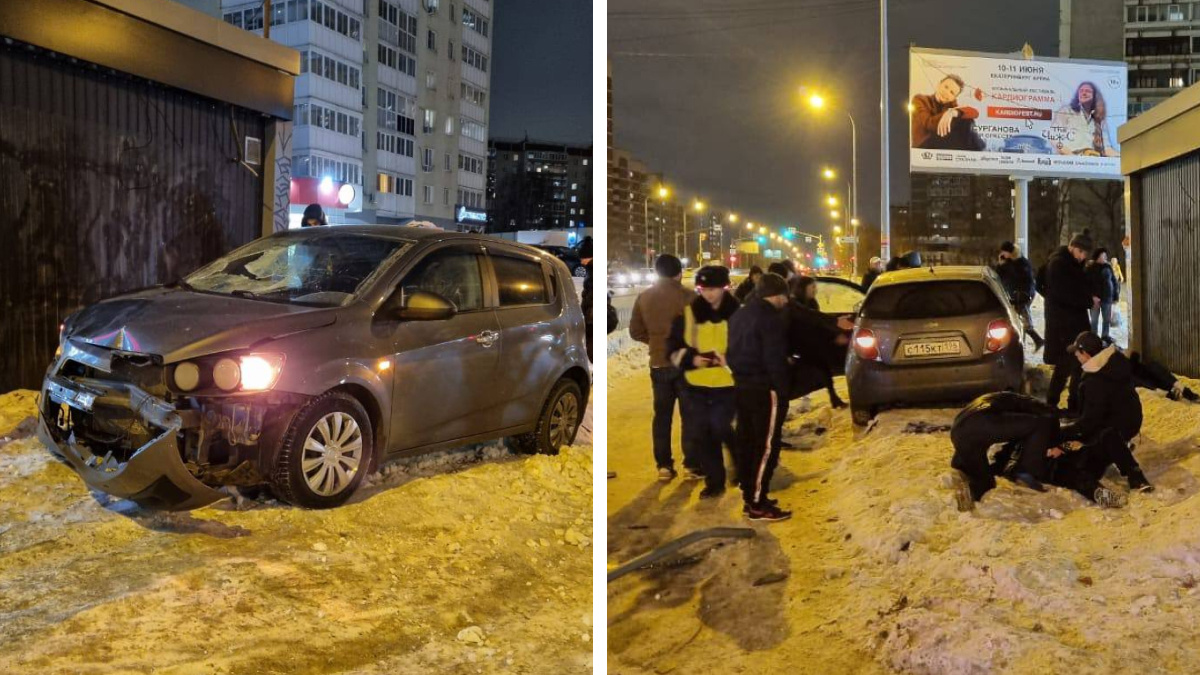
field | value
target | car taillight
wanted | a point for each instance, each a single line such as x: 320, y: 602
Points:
x: 865, y: 345
x: 998, y: 335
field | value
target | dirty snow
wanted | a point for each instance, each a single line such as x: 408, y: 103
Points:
x: 467, y: 561
x: 877, y: 571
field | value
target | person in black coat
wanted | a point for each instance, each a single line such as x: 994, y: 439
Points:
x: 1111, y: 418
x: 1016, y: 273
x: 1002, y: 417
x: 815, y: 341
x: 757, y: 355
x: 745, y: 288
x: 585, y: 256
x: 873, y: 271
x: 1104, y: 286
x: 1068, y: 297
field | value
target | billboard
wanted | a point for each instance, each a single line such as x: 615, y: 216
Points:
x: 1006, y: 115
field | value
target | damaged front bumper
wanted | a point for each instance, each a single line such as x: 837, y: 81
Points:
x: 155, y: 475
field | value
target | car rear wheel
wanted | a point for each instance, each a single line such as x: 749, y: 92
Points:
x: 559, y: 420
x: 861, y: 414
x: 580, y: 271
x: 325, y: 453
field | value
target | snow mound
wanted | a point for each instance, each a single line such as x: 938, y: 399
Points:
x: 16, y: 407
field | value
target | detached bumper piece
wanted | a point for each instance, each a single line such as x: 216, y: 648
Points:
x: 154, y: 476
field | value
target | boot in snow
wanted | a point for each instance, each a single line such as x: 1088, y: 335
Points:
x: 962, y: 492
x: 1107, y: 499
x: 768, y: 513
x: 1138, y: 482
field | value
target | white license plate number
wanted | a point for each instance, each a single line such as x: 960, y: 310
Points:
x: 927, y: 349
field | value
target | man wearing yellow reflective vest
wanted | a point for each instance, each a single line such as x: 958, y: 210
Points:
x: 697, y: 345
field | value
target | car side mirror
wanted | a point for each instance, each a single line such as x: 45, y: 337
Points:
x: 423, y: 306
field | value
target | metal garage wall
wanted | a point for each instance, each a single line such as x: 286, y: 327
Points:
x: 107, y: 184
x: 1170, y: 263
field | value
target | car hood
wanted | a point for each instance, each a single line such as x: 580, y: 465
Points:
x: 176, y: 324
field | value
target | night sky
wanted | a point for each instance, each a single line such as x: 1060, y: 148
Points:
x: 712, y: 98
x: 542, y: 70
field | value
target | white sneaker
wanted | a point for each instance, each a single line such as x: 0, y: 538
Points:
x: 665, y: 475
x: 1108, y: 499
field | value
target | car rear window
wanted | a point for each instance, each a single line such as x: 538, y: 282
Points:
x: 930, y: 300
x: 521, y: 282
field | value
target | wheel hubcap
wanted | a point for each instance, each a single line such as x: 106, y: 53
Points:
x: 563, y: 418
x: 332, y: 453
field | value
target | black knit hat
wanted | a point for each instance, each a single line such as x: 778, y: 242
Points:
x: 770, y: 285
x: 668, y: 266
x: 1087, y: 342
x: 712, y: 276
x: 1083, y: 241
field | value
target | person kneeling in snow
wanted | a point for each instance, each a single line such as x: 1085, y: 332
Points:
x: 1002, y: 417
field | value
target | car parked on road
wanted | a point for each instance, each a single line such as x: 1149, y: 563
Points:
x: 570, y: 257
x: 625, y: 277
x: 934, y: 334
x: 305, y: 359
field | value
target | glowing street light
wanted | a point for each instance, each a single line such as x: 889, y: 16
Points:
x: 834, y: 214
x: 837, y: 229
x: 816, y: 101
x: 733, y: 217
x: 854, y: 222
x: 750, y: 226
x: 699, y: 206
x: 762, y: 230
x: 774, y: 236
x: 831, y: 200
x: 663, y: 192
x: 829, y: 174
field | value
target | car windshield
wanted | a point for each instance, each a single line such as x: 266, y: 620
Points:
x: 930, y: 300
x: 323, y: 271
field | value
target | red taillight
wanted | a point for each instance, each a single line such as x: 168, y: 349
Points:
x: 998, y: 335
x: 865, y: 345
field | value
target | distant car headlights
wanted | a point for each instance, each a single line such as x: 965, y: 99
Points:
x: 623, y: 279
x: 187, y: 376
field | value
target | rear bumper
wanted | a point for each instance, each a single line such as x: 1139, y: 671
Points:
x: 155, y: 475
x: 874, y: 384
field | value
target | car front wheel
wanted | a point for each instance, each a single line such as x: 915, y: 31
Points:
x: 559, y: 420
x: 861, y: 414
x: 325, y: 453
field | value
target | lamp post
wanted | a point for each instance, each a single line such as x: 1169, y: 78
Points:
x: 663, y: 192
x: 699, y: 207
x: 817, y: 102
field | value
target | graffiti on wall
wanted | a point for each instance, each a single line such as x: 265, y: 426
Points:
x: 283, y: 174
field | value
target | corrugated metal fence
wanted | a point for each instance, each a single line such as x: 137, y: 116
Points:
x: 1170, y: 256
x: 107, y: 183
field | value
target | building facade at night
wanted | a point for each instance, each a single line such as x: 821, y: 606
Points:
x: 533, y: 185
x: 392, y: 102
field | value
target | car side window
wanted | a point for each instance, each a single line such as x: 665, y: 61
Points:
x: 452, y: 274
x: 521, y: 282
x: 836, y: 298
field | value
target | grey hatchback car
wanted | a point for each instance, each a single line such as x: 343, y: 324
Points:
x: 305, y: 359
x: 934, y: 334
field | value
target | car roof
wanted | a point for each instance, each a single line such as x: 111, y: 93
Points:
x: 923, y: 274
x: 402, y: 233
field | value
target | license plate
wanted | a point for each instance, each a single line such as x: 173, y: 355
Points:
x: 80, y: 400
x: 940, y: 348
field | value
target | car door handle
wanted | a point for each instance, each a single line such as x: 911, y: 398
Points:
x: 487, y: 338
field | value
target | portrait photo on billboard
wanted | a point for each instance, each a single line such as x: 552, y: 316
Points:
x: 973, y: 112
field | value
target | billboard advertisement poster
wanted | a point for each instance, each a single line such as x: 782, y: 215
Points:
x: 1006, y: 115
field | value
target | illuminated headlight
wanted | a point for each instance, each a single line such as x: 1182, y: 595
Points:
x: 623, y: 278
x: 226, y: 374
x: 187, y: 376
x: 261, y: 371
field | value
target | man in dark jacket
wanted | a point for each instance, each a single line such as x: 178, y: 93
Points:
x: 697, y: 345
x: 758, y: 358
x: 653, y: 313
x: 1016, y: 273
x: 1111, y: 418
x: 873, y: 271
x: 1105, y: 287
x: 585, y: 257
x: 1068, y: 298
x: 1003, y: 417
x: 745, y: 288
x: 816, y: 342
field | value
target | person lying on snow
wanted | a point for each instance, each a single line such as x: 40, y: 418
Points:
x: 1155, y: 376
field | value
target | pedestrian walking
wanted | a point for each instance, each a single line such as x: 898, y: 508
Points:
x: 1104, y: 286
x: 653, y: 313
x: 1016, y: 273
x: 991, y: 419
x: 745, y: 288
x: 698, y: 344
x: 1068, y: 297
x: 758, y: 358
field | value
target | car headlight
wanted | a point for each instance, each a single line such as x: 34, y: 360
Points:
x: 187, y: 376
x: 261, y: 371
x: 226, y: 374
x: 623, y: 278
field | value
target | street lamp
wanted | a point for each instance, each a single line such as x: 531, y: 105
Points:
x: 663, y: 193
x: 733, y: 217
x: 817, y: 102
x: 831, y: 200
x: 834, y: 214
x: 750, y: 226
x: 837, y: 229
x: 829, y: 174
x: 699, y: 208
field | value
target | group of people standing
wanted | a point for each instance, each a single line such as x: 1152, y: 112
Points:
x: 733, y: 359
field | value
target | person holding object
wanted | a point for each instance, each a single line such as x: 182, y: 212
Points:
x: 758, y: 358
x: 697, y: 345
x: 1068, y: 296
x: 1016, y: 274
x: 939, y: 123
x: 653, y: 313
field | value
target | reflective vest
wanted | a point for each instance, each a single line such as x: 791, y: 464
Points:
x: 704, y: 338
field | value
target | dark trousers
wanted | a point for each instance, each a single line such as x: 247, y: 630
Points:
x: 668, y: 386
x: 962, y: 136
x: 757, y: 452
x: 1082, y: 470
x: 1027, y: 317
x: 708, y: 414
x: 1066, y: 375
x: 974, y: 436
x: 1104, y: 311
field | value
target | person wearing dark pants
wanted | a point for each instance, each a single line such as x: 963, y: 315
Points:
x: 1016, y: 273
x: 653, y: 313
x: 697, y: 345
x: 1080, y: 468
x: 1111, y: 411
x: 1003, y: 417
x: 758, y: 358
x: 1068, y: 296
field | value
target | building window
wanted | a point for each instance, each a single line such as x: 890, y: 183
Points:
x: 474, y: 22
x: 428, y: 194
x: 396, y: 112
x: 472, y: 94
x: 470, y: 164
x: 427, y: 160
x: 474, y: 58
x: 332, y: 18
x: 447, y: 163
x: 397, y: 145
x: 430, y: 122
x: 431, y: 41
x: 449, y: 126
x: 320, y: 116
x: 473, y: 130
x: 395, y: 185
x: 431, y: 80
x: 446, y: 196
x: 393, y: 59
